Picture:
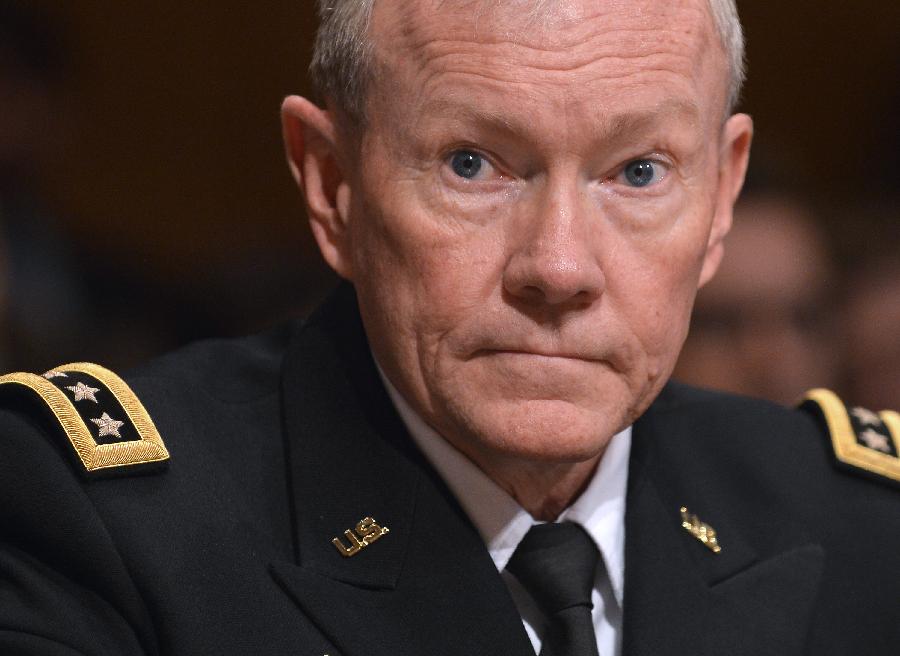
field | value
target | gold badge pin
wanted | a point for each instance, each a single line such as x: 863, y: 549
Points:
x: 367, y: 531
x: 700, y: 530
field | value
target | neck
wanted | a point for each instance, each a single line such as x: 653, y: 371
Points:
x: 543, y: 489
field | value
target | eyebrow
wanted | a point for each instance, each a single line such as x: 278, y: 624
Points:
x: 634, y: 121
x: 463, y: 111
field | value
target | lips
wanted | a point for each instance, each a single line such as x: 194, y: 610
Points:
x: 563, y: 355
x: 571, y: 341
x: 612, y: 356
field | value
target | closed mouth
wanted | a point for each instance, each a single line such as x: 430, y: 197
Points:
x: 541, y: 354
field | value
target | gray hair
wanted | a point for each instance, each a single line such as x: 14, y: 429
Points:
x: 342, y: 56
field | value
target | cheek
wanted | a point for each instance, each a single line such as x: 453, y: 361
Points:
x: 653, y: 283
x: 420, y: 274
x: 413, y: 235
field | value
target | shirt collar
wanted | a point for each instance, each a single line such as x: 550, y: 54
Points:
x: 502, y: 522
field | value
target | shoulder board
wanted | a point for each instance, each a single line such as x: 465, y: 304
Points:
x: 106, y: 424
x: 863, y: 441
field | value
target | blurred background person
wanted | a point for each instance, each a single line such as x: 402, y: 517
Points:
x: 765, y: 325
x: 870, y: 318
x: 872, y: 327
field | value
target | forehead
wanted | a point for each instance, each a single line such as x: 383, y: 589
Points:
x: 577, y: 44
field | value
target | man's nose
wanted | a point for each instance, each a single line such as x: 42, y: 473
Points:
x: 553, y: 258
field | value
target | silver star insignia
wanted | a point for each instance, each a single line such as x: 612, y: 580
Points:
x: 875, y: 440
x: 866, y: 416
x: 83, y: 392
x: 54, y: 374
x: 108, y: 425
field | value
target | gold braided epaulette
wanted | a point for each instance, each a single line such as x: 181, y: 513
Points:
x: 862, y: 440
x: 105, y: 423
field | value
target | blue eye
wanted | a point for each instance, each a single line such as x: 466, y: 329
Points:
x: 466, y: 164
x: 641, y: 172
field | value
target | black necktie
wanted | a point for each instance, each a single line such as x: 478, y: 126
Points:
x: 557, y: 564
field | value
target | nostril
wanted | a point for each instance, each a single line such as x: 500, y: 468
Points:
x: 532, y: 293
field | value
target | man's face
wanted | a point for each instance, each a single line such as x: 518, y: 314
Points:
x: 530, y: 212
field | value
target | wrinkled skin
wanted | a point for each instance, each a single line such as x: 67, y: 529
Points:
x: 530, y: 311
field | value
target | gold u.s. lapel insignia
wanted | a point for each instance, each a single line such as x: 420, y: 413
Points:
x: 367, y: 531
x: 700, y: 530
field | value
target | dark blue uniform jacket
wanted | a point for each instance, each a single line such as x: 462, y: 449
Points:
x: 279, y: 443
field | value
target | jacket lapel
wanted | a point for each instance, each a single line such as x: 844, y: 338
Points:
x: 680, y: 597
x: 428, y: 586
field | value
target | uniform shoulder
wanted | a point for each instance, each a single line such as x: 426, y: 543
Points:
x: 863, y: 441
x: 227, y: 369
x: 101, y: 420
x: 859, y: 441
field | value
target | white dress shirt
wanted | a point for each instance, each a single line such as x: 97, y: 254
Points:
x: 502, y: 522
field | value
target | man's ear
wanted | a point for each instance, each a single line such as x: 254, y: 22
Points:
x: 734, y: 154
x: 311, y: 141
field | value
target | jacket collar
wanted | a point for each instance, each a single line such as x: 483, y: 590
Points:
x: 426, y: 587
x: 430, y: 586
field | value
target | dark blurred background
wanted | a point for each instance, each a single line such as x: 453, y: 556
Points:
x: 144, y: 200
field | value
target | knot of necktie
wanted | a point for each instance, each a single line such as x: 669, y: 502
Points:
x: 557, y: 564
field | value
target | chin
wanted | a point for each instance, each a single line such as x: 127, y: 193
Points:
x: 539, y: 430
